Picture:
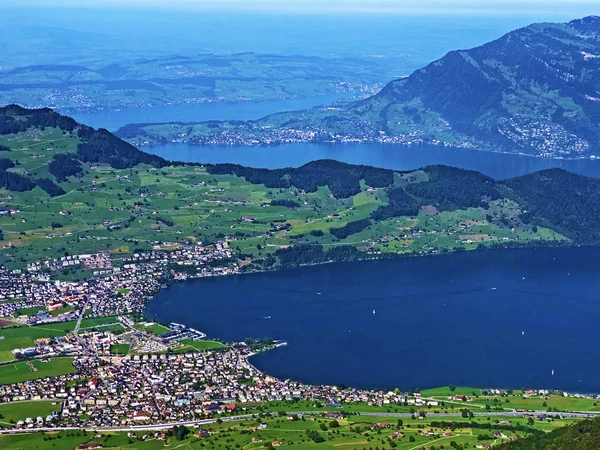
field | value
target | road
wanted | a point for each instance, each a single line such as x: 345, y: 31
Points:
x: 163, y: 426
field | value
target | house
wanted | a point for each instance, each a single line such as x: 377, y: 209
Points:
x: 89, y: 445
x: 141, y: 416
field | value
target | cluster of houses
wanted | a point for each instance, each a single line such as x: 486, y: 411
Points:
x: 543, y: 138
x: 120, y: 289
x: 91, y: 261
x: 111, y: 390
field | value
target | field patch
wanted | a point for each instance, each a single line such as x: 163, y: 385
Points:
x: 35, y: 369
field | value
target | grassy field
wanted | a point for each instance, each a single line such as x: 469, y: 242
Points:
x: 15, y: 411
x: 190, y: 345
x: 151, y: 327
x: 32, y: 370
x: 32, y: 311
x: 516, y: 399
x: 24, y: 336
x: 119, y: 349
x: 353, y: 432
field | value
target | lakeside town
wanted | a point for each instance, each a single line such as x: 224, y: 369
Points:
x: 538, y: 138
x: 108, y: 390
x: 126, y: 372
x: 113, y: 289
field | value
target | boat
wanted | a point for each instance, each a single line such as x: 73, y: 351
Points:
x: 266, y: 317
x: 373, y: 312
x: 552, y: 372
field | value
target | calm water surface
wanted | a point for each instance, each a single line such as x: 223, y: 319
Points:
x: 198, y: 112
x: 414, y: 323
x: 398, y: 157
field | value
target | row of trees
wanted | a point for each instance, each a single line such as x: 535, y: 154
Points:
x: 313, y: 254
x: 350, y: 228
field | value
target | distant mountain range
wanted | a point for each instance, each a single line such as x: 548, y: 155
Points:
x: 129, y: 83
x: 536, y: 91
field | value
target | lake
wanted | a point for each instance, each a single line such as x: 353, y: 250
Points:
x: 503, y: 318
x: 398, y: 157
x: 198, y: 112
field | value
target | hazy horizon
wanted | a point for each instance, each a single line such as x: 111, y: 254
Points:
x: 542, y: 8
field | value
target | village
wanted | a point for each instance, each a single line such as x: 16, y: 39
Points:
x: 112, y: 289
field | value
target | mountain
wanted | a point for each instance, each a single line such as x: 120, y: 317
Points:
x: 536, y: 90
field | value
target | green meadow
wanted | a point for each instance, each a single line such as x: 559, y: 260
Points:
x: 15, y: 411
x: 191, y: 345
x: 25, y: 336
x: 34, y: 369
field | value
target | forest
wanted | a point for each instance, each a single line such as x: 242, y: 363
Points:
x: 350, y: 228
x: 303, y: 254
x: 342, y: 179
x: 568, y: 201
x: 583, y: 435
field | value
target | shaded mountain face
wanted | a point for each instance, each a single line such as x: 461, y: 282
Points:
x: 535, y: 90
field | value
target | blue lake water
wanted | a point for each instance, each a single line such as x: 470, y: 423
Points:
x: 398, y: 157
x: 437, y: 321
x: 198, y: 112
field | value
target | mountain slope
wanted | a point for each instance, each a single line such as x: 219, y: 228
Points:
x: 66, y: 188
x: 535, y: 90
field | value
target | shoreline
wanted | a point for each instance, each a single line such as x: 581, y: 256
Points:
x: 284, y: 342
x: 341, y: 144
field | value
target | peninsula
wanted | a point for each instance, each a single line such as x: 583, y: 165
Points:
x: 533, y: 91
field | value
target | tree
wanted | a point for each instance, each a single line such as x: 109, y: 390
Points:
x: 180, y: 432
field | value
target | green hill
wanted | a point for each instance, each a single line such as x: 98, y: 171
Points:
x: 69, y: 189
x: 581, y: 436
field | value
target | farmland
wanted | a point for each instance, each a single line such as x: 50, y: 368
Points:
x: 141, y: 208
x: 350, y: 432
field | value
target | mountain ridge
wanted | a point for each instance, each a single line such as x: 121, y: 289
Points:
x: 534, y: 90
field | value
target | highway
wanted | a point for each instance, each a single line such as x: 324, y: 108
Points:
x: 191, y: 423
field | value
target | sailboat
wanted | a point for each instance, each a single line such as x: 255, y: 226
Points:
x: 373, y: 312
x: 552, y: 372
